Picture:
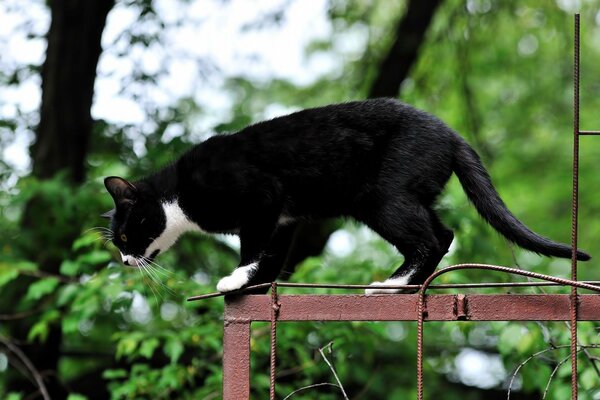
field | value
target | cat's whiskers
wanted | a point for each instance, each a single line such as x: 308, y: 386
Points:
x: 99, y: 229
x: 104, y: 234
x: 153, y: 273
x: 159, y: 268
x: 151, y: 283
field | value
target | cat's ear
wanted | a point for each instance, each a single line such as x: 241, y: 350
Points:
x: 109, y: 214
x: 122, y: 191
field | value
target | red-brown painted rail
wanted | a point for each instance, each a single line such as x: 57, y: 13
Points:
x: 241, y: 311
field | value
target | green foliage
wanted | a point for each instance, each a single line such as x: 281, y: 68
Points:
x: 133, y: 331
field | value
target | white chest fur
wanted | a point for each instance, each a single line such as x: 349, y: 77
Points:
x: 176, y: 224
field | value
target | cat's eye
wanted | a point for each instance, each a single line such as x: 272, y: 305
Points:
x: 123, y: 238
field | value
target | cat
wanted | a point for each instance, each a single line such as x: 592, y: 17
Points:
x: 379, y: 161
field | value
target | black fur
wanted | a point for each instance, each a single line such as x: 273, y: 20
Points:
x: 379, y: 161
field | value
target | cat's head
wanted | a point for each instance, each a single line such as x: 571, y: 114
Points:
x: 137, y: 220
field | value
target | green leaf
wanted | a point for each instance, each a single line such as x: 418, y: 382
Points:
x: 114, y: 374
x: 9, y: 271
x: 38, y: 330
x: 67, y: 294
x: 94, y: 257
x: 588, y: 379
x: 70, y: 323
x: 69, y: 268
x: 170, y: 377
x: 25, y: 266
x: 40, y: 288
x: 74, y: 396
x: 7, y: 274
x: 86, y: 240
x: 174, y: 349
x: 148, y: 346
x: 510, y: 339
x: 126, y: 346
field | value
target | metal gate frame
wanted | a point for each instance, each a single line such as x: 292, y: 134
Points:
x: 241, y: 311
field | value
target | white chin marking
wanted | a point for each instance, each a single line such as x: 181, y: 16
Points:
x: 238, y: 278
x: 389, y: 282
x: 129, y: 260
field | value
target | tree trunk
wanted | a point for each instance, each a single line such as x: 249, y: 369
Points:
x: 68, y: 77
x: 61, y: 145
x: 403, y: 54
x: 311, y: 237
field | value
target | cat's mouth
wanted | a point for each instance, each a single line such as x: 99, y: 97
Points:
x: 136, y: 261
x: 129, y: 260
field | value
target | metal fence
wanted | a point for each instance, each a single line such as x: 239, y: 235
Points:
x: 241, y: 311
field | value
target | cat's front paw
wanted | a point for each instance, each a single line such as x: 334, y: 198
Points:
x: 237, y: 280
x: 377, y: 289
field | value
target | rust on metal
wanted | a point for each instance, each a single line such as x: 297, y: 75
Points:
x: 403, y: 307
x: 275, y: 306
x: 236, y: 360
x: 461, y: 309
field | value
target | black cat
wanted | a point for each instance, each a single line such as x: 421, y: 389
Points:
x: 379, y: 161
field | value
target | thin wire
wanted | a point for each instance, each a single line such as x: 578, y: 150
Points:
x: 400, y: 287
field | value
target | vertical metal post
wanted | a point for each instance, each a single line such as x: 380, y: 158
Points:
x: 575, y: 209
x: 273, y: 359
x: 236, y: 360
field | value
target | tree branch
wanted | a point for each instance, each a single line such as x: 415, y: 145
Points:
x: 34, y: 372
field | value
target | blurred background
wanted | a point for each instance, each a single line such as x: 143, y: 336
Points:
x: 97, y: 88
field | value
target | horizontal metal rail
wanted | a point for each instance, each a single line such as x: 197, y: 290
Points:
x: 403, y: 307
x: 241, y: 311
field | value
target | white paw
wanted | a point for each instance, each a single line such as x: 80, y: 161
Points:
x: 237, y: 280
x: 376, y: 289
x: 229, y: 283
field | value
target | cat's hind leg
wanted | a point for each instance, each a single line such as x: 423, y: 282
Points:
x: 419, y: 235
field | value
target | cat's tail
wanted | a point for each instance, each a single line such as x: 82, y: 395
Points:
x: 476, y: 182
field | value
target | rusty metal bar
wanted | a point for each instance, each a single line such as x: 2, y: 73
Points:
x: 236, y: 360
x: 403, y: 307
x: 275, y: 305
x: 575, y: 208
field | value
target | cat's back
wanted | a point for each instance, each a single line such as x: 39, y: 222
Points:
x: 373, y: 115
